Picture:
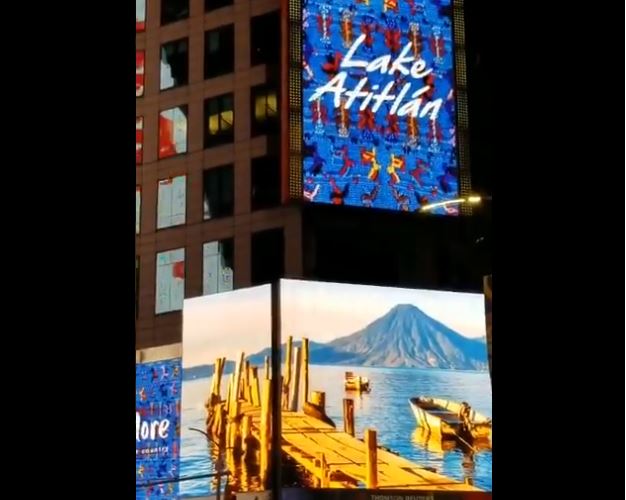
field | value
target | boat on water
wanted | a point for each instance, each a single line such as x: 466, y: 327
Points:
x: 356, y: 383
x: 450, y: 419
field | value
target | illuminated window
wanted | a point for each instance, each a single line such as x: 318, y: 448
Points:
x: 137, y: 209
x: 219, y: 117
x: 268, y: 256
x: 174, y: 64
x: 210, y: 5
x: 140, y: 15
x: 139, y: 140
x: 264, y: 103
x: 265, y: 185
x: 218, y: 192
x: 140, y: 57
x: 219, y: 51
x: 170, y: 281
x: 265, y: 39
x: 172, y: 132
x: 172, y: 202
x: 174, y: 10
x: 217, y: 270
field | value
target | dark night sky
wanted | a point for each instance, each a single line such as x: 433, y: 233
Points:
x: 480, y: 90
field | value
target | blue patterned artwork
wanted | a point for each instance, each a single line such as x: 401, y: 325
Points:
x: 379, y: 104
x: 157, y: 428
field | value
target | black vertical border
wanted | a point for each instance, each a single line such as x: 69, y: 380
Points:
x: 276, y: 456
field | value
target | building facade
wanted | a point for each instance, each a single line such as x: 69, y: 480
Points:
x: 210, y: 211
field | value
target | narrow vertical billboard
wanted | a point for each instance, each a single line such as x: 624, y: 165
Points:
x: 157, y: 428
x: 226, y: 425
x: 384, y: 389
x: 374, y: 106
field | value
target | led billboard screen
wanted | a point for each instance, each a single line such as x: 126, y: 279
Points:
x: 378, y: 104
x: 392, y: 377
x: 157, y: 428
x: 226, y: 400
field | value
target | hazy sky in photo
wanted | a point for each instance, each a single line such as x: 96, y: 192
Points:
x: 225, y: 324
x: 325, y: 311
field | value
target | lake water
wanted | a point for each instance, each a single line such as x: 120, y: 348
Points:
x: 385, y: 409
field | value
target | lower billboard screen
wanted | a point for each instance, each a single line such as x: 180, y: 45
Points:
x: 226, y: 421
x: 157, y: 429
x: 384, y: 389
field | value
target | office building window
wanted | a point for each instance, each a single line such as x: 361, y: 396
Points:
x: 265, y: 39
x: 218, y: 192
x: 140, y: 69
x: 219, y: 117
x: 139, y: 140
x: 217, y: 266
x: 210, y: 5
x: 268, y: 256
x: 171, y: 202
x: 170, y: 281
x: 265, y: 182
x: 219, y: 51
x: 264, y: 110
x: 137, y: 209
x: 174, y: 64
x: 172, y: 132
x: 174, y: 10
x: 136, y: 286
x: 140, y: 15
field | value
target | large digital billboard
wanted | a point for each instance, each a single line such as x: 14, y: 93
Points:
x: 157, y: 428
x: 377, y: 111
x: 226, y: 423
x: 384, y: 389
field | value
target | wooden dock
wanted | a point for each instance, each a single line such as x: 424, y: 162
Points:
x: 332, y: 458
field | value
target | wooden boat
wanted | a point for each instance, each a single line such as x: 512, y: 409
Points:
x: 356, y: 383
x: 451, y: 419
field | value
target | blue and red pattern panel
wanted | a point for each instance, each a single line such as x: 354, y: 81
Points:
x: 379, y: 104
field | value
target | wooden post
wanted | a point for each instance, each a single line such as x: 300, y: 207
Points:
x: 318, y: 398
x: 348, y: 416
x: 371, y: 459
x: 323, y: 466
x: 256, y: 396
x: 285, y: 402
x: 229, y: 393
x: 266, y: 438
x: 293, y: 404
x: 305, y: 369
x: 267, y: 374
x: 237, y: 381
x: 220, y: 373
x: 246, y: 430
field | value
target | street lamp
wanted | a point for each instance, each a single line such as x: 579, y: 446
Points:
x: 472, y: 200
